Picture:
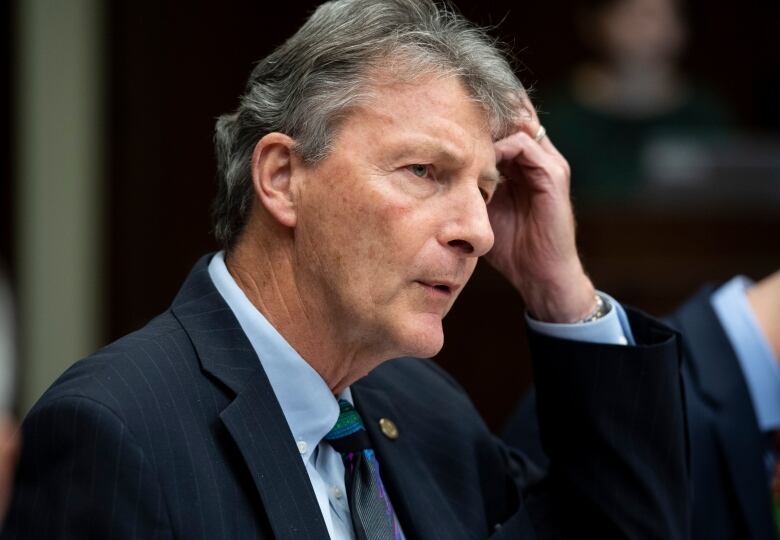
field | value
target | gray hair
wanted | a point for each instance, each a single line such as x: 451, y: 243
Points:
x: 312, y: 81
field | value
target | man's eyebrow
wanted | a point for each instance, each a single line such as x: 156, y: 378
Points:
x: 490, y: 175
x: 436, y: 150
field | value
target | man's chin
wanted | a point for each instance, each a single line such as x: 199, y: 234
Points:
x: 425, y: 338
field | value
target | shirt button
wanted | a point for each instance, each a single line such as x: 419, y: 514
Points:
x: 337, y: 493
x: 302, y: 447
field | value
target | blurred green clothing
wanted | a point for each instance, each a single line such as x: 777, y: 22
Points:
x: 777, y: 514
x: 608, y: 152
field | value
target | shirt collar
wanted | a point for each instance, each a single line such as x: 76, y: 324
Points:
x: 306, y: 401
x: 756, y: 358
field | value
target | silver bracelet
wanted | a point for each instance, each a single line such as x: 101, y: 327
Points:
x: 603, y: 306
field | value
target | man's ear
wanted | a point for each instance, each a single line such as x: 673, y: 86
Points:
x: 273, y: 168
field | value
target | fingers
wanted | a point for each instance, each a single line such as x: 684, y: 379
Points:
x: 528, y: 121
x: 522, y: 149
x: 533, y: 128
x: 527, y: 113
x: 548, y: 145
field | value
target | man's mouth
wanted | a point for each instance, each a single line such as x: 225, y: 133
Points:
x: 440, y: 288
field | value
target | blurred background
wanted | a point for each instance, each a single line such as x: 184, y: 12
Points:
x: 669, y: 112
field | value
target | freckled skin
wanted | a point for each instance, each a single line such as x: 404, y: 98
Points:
x: 357, y: 259
x: 368, y: 229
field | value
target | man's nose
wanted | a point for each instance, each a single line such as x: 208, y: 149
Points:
x: 470, y: 232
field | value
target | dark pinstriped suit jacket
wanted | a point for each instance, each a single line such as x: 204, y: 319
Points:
x: 731, y: 498
x: 174, y: 432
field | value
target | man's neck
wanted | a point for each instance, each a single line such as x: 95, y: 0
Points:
x: 268, y: 279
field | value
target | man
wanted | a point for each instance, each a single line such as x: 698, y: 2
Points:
x: 731, y: 338
x: 355, y: 183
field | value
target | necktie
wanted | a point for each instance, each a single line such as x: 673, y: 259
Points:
x: 373, y: 517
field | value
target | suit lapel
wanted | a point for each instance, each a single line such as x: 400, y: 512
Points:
x: 411, y: 487
x: 718, y: 374
x: 254, y: 418
x: 274, y: 462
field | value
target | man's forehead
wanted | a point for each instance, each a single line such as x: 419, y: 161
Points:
x: 431, y: 105
x: 439, y: 88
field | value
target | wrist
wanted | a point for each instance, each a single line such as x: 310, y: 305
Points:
x: 566, y: 301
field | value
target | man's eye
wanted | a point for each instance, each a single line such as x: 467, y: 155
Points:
x: 419, y: 170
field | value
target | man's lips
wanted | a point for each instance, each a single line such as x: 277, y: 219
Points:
x: 440, y: 287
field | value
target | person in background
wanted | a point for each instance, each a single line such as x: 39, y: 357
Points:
x: 9, y: 452
x: 630, y: 93
x: 731, y: 337
x: 9, y: 431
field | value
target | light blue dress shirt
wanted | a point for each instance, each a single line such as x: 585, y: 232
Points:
x: 756, y: 358
x: 308, y: 405
x: 613, y: 328
x: 311, y: 409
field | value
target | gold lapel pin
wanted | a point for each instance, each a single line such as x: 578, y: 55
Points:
x: 388, y: 428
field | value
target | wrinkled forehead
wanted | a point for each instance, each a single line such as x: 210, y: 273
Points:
x: 399, y: 73
x: 424, y: 98
x: 429, y: 119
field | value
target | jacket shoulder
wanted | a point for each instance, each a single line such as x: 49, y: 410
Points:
x: 131, y: 373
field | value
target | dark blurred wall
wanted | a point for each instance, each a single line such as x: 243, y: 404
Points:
x: 174, y: 67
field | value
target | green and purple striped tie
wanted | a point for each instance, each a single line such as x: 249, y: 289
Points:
x: 373, y: 517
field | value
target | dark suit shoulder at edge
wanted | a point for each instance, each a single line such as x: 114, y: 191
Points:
x: 49, y: 410
x: 89, y: 377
